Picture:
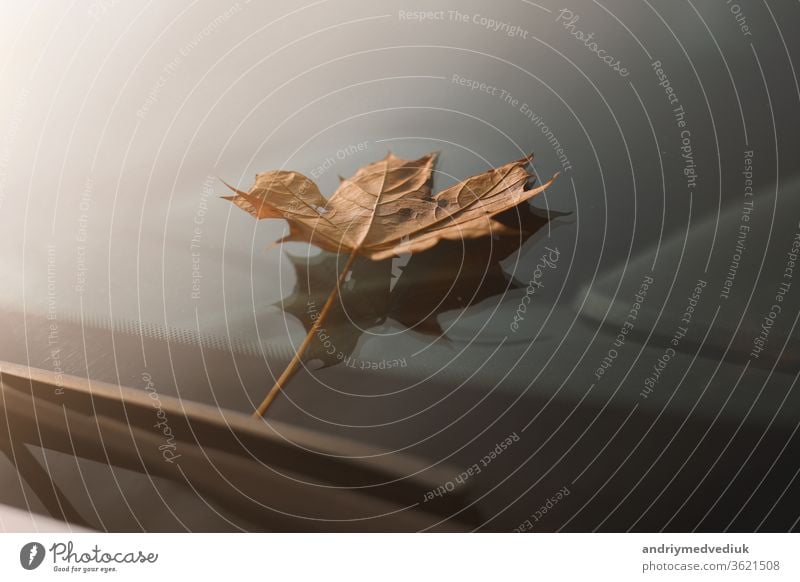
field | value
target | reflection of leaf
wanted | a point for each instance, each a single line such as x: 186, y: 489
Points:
x: 457, y: 274
x: 365, y: 297
x: 387, y: 207
x: 384, y: 210
x: 453, y: 275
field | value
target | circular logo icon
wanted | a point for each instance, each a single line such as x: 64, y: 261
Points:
x: 31, y: 555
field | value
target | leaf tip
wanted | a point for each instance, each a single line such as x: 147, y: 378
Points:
x: 235, y: 190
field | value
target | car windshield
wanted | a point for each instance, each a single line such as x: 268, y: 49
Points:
x: 650, y: 286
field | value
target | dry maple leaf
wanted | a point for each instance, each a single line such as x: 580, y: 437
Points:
x: 385, y: 209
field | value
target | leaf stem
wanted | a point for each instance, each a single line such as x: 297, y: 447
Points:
x: 292, y: 366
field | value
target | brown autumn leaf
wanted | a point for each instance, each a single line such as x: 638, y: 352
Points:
x: 387, y: 208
